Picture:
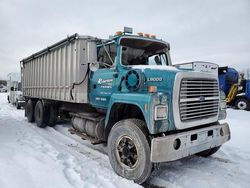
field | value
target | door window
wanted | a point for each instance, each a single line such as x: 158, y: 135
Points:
x: 106, y: 55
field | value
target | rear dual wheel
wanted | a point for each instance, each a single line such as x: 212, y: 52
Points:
x: 43, y: 115
x: 53, y: 115
x: 29, y: 111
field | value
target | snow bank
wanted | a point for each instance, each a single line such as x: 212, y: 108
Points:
x: 52, y: 157
x: 32, y: 157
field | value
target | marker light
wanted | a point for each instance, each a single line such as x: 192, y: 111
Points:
x: 153, y: 36
x: 118, y: 33
x: 152, y: 89
x: 140, y: 34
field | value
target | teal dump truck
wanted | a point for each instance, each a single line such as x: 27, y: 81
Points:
x: 125, y: 91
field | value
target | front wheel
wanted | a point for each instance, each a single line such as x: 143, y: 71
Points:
x: 242, y: 104
x: 129, y: 150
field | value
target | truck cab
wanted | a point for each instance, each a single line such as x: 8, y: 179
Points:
x: 137, y: 71
x: 134, y: 82
x: 125, y: 92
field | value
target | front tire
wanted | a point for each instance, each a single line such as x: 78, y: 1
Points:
x: 242, y: 104
x: 129, y: 150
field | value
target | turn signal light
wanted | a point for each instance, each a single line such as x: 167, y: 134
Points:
x: 140, y: 34
x: 152, y: 89
x: 153, y: 36
x: 118, y: 33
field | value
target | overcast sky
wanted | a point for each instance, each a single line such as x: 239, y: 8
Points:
x: 215, y: 31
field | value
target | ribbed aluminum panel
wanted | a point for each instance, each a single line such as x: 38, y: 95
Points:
x: 199, y: 98
x: 50, y: 75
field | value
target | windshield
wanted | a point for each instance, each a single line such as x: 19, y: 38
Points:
x: 143, y: 52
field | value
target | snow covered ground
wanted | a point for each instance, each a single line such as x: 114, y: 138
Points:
x: 31, y: 157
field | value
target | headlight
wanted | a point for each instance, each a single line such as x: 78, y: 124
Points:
x: 161, y: 112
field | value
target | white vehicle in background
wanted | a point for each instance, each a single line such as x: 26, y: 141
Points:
x: 3, y: 90
x: 15, y: 95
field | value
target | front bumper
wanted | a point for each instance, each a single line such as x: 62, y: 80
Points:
x: 188, y: 143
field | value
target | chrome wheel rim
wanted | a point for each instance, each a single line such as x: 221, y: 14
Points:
x: 242, y: 105
x: 126, y: 152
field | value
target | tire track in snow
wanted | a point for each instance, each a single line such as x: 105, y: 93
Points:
x: 82, y: 166
x: 79, y: 167
x: 227, y: 168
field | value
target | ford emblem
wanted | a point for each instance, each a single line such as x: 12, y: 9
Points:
x: 202, y: 98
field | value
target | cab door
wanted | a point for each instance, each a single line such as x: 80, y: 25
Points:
x: 101, y: 87
x: 102, y: 80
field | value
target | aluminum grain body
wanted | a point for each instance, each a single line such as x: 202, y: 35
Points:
x: 51, y: 74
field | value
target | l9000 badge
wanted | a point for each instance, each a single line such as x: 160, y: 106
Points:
x: 155, y: 79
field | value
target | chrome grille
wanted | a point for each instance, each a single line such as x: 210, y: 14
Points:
x: 199, y: 98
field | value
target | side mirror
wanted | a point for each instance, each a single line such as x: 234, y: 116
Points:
x: 12, y: 89
x: 94, y: 66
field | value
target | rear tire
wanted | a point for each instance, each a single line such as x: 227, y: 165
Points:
x: 29, y: 111
x: 209, y: 152
x: 40, y: 115
x: 242, y: 104
x: 129, y: 150
x: 53, y: 114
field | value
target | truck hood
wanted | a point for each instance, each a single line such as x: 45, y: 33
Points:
x: 155, y: 67
x: 161, y: 76
x: 164, y: 76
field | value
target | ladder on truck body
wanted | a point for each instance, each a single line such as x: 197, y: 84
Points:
x: 232, y: 93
